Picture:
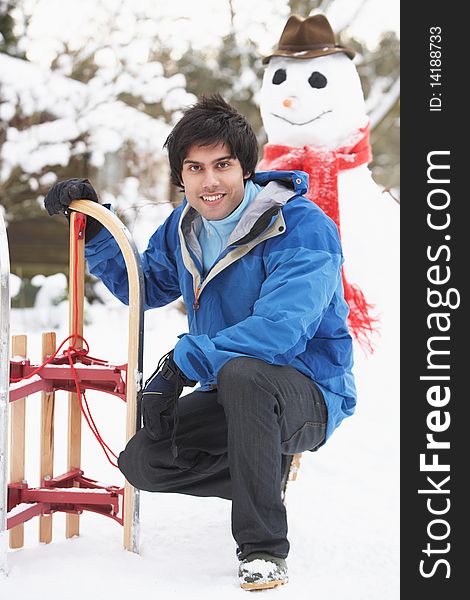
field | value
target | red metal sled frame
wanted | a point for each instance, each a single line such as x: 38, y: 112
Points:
x: 91, y: 374
x: 61, y: 494
x: 55, y: 495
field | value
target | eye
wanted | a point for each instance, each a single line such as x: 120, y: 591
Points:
x: 279, y: 76
x: 317, y: 80
x: 223, y: 164
x: 194, y: 167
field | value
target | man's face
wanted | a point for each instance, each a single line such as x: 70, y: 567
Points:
x: 213, y: 181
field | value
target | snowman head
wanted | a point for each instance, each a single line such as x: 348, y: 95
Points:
x: 312, y: 102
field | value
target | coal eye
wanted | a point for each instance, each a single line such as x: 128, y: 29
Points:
x: 279, y: 76
x: 317, y: 80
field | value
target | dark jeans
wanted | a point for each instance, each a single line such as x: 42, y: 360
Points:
x: 230, y: 442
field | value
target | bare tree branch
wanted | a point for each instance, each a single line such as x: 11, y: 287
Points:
x: 386, y: 104
x: 387, y: 190
x: 232, y: 15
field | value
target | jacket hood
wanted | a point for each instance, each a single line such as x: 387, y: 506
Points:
x: 296, y: 180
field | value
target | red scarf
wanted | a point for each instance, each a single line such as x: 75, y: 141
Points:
x: 323, y: 168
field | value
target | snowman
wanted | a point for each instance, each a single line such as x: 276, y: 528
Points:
x: 313, y: 111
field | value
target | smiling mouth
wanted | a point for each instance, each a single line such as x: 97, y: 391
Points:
x: 306, y: 122
x: 210, y: 198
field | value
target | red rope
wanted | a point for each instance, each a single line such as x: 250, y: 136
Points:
x: 88, y: 417
x: 79, y: 231
x: 76, y: 351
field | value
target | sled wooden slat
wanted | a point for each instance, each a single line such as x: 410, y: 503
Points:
x: 135, y: 339
x: 295, y: 466
x: 47, y: 437
x: 17, y: 439
x: 76, y: 299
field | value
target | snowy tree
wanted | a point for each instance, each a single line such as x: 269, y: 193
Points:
x: 8, y: 41
x: 98, y: 97
x: 380, y: 74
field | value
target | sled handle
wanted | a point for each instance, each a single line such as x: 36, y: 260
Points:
x: 135, y: 345
x: 4, y: 387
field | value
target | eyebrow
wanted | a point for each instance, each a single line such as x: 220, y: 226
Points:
x: 188, y: 161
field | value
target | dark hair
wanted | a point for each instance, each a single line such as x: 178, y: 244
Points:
x: 211, y: 121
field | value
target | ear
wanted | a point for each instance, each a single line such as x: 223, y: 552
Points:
x: 247, y: 176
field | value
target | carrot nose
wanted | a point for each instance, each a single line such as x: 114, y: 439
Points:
x: 287, y: 102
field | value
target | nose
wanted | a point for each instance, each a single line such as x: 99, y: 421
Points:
x: 288, y: 102
x: 211, y: 180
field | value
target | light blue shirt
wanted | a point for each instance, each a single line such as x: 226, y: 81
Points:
x: 214, y: 234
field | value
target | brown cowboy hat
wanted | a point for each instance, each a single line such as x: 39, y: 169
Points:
x: 308, y: 38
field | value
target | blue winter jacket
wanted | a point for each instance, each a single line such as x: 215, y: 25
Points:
x: 275, y: 293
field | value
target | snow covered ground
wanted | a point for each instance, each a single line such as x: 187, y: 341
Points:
x: 343, y: 509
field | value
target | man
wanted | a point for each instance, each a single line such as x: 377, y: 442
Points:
x: 259, y: 269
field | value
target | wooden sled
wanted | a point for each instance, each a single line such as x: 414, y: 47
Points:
x: 71, y: 492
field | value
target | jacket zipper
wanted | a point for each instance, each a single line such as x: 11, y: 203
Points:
x: 198, y: 288
x: 196, y: 297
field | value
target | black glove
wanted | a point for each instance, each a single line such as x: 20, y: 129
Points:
x: 61, y: 194
x: 160, y: 399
